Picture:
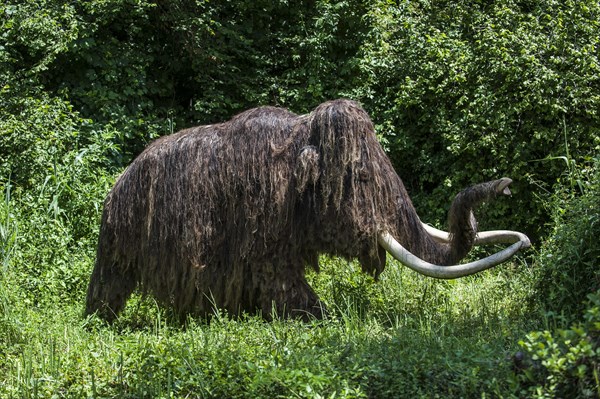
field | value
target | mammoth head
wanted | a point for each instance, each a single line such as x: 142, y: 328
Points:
x: 362, y: 198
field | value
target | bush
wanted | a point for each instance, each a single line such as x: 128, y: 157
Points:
x: 8, y: 245
x: 59, y: 168
x: 569, y: 260
x: 564, y: 363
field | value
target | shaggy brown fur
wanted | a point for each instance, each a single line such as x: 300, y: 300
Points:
x: 229, y: 215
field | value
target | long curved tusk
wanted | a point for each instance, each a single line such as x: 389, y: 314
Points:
x: 483, y: 237
x: 392, y: 246
x: 440, y: 236
x: 502, y: 237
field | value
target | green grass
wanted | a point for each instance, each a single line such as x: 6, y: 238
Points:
x: 405, y: 335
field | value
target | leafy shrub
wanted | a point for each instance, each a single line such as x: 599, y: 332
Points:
x: 564, y: 363
x: 149, y: 68
x: 8, y: 245
x: 59, y: 167
x: 568, y: 263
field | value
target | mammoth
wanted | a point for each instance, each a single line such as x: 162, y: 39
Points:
x: 230, y: 216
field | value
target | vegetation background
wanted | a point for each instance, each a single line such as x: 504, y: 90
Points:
x: 460, y: 91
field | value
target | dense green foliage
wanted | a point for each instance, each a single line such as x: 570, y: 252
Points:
x: 564, y: 363
x: 569, y: 256
x: 460, y: 92
x: 489, y: 88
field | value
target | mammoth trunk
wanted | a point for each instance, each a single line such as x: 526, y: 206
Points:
x: 461, y: 220
x: 434, y: 252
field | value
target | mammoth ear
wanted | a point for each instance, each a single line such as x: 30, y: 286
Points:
x: 307, y: 167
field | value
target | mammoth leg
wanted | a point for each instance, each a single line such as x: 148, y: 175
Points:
x: 108, y: 291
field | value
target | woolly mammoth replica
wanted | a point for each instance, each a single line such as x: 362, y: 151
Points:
x: 230, y: 216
